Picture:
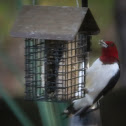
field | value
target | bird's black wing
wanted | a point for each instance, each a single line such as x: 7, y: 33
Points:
x: 109, y: 86
x: 107, y: 89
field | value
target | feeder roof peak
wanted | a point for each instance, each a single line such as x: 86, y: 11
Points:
x: 53, y: 23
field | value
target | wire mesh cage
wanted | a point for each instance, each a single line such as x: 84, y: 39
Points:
x: 55, y: 70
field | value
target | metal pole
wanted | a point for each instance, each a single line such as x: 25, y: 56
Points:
x: 84, y: 3
x: 94, y: 117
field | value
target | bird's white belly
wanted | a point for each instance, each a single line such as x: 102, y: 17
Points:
x: 98, y: 76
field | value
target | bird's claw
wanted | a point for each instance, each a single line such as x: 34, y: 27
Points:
x: 65, y: 115
x: 85, y: 90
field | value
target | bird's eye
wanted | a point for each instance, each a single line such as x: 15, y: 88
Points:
x: 112, y: 44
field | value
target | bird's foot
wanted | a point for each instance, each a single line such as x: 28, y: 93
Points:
x: 85, y: 90
x: 81, y: 92
x: 70, y: 110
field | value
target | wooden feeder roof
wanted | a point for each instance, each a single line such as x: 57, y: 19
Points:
x: 53, y: 23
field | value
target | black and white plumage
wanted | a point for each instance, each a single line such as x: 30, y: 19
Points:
x: 101, y: 77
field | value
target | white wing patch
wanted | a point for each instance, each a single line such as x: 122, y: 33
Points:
x: 98, y: 76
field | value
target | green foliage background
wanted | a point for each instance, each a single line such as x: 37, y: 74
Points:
x: 103, y: 11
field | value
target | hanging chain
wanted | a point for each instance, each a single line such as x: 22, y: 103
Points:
x: 77, y: 3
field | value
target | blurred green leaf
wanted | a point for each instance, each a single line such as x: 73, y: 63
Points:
x: 21, y: 116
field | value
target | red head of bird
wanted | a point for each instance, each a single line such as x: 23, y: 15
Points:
x: 109, y: 52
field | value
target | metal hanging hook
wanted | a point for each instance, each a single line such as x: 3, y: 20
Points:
x: 77, y: 3
x: 33, y: 2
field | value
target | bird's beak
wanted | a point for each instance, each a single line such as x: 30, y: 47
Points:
x: 103, y: 44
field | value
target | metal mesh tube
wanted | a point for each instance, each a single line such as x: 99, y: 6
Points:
x: 55, y: 70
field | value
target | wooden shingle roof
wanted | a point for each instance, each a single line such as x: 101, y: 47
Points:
x: 53, y: 23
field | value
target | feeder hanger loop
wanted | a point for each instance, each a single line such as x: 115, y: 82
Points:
x: 33, y: 2
x: 77, y: 3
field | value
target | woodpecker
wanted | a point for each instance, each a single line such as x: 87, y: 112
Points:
x: 101, y: 77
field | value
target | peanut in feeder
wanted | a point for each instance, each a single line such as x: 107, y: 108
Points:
x: 56, y: 42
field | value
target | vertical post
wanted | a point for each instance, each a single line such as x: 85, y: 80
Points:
x: 121, y: 32
x: 88, y: 37
x: 84, y: 3
x: 94, y: 117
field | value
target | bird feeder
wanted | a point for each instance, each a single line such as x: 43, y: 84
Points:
x: 56, y: 43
